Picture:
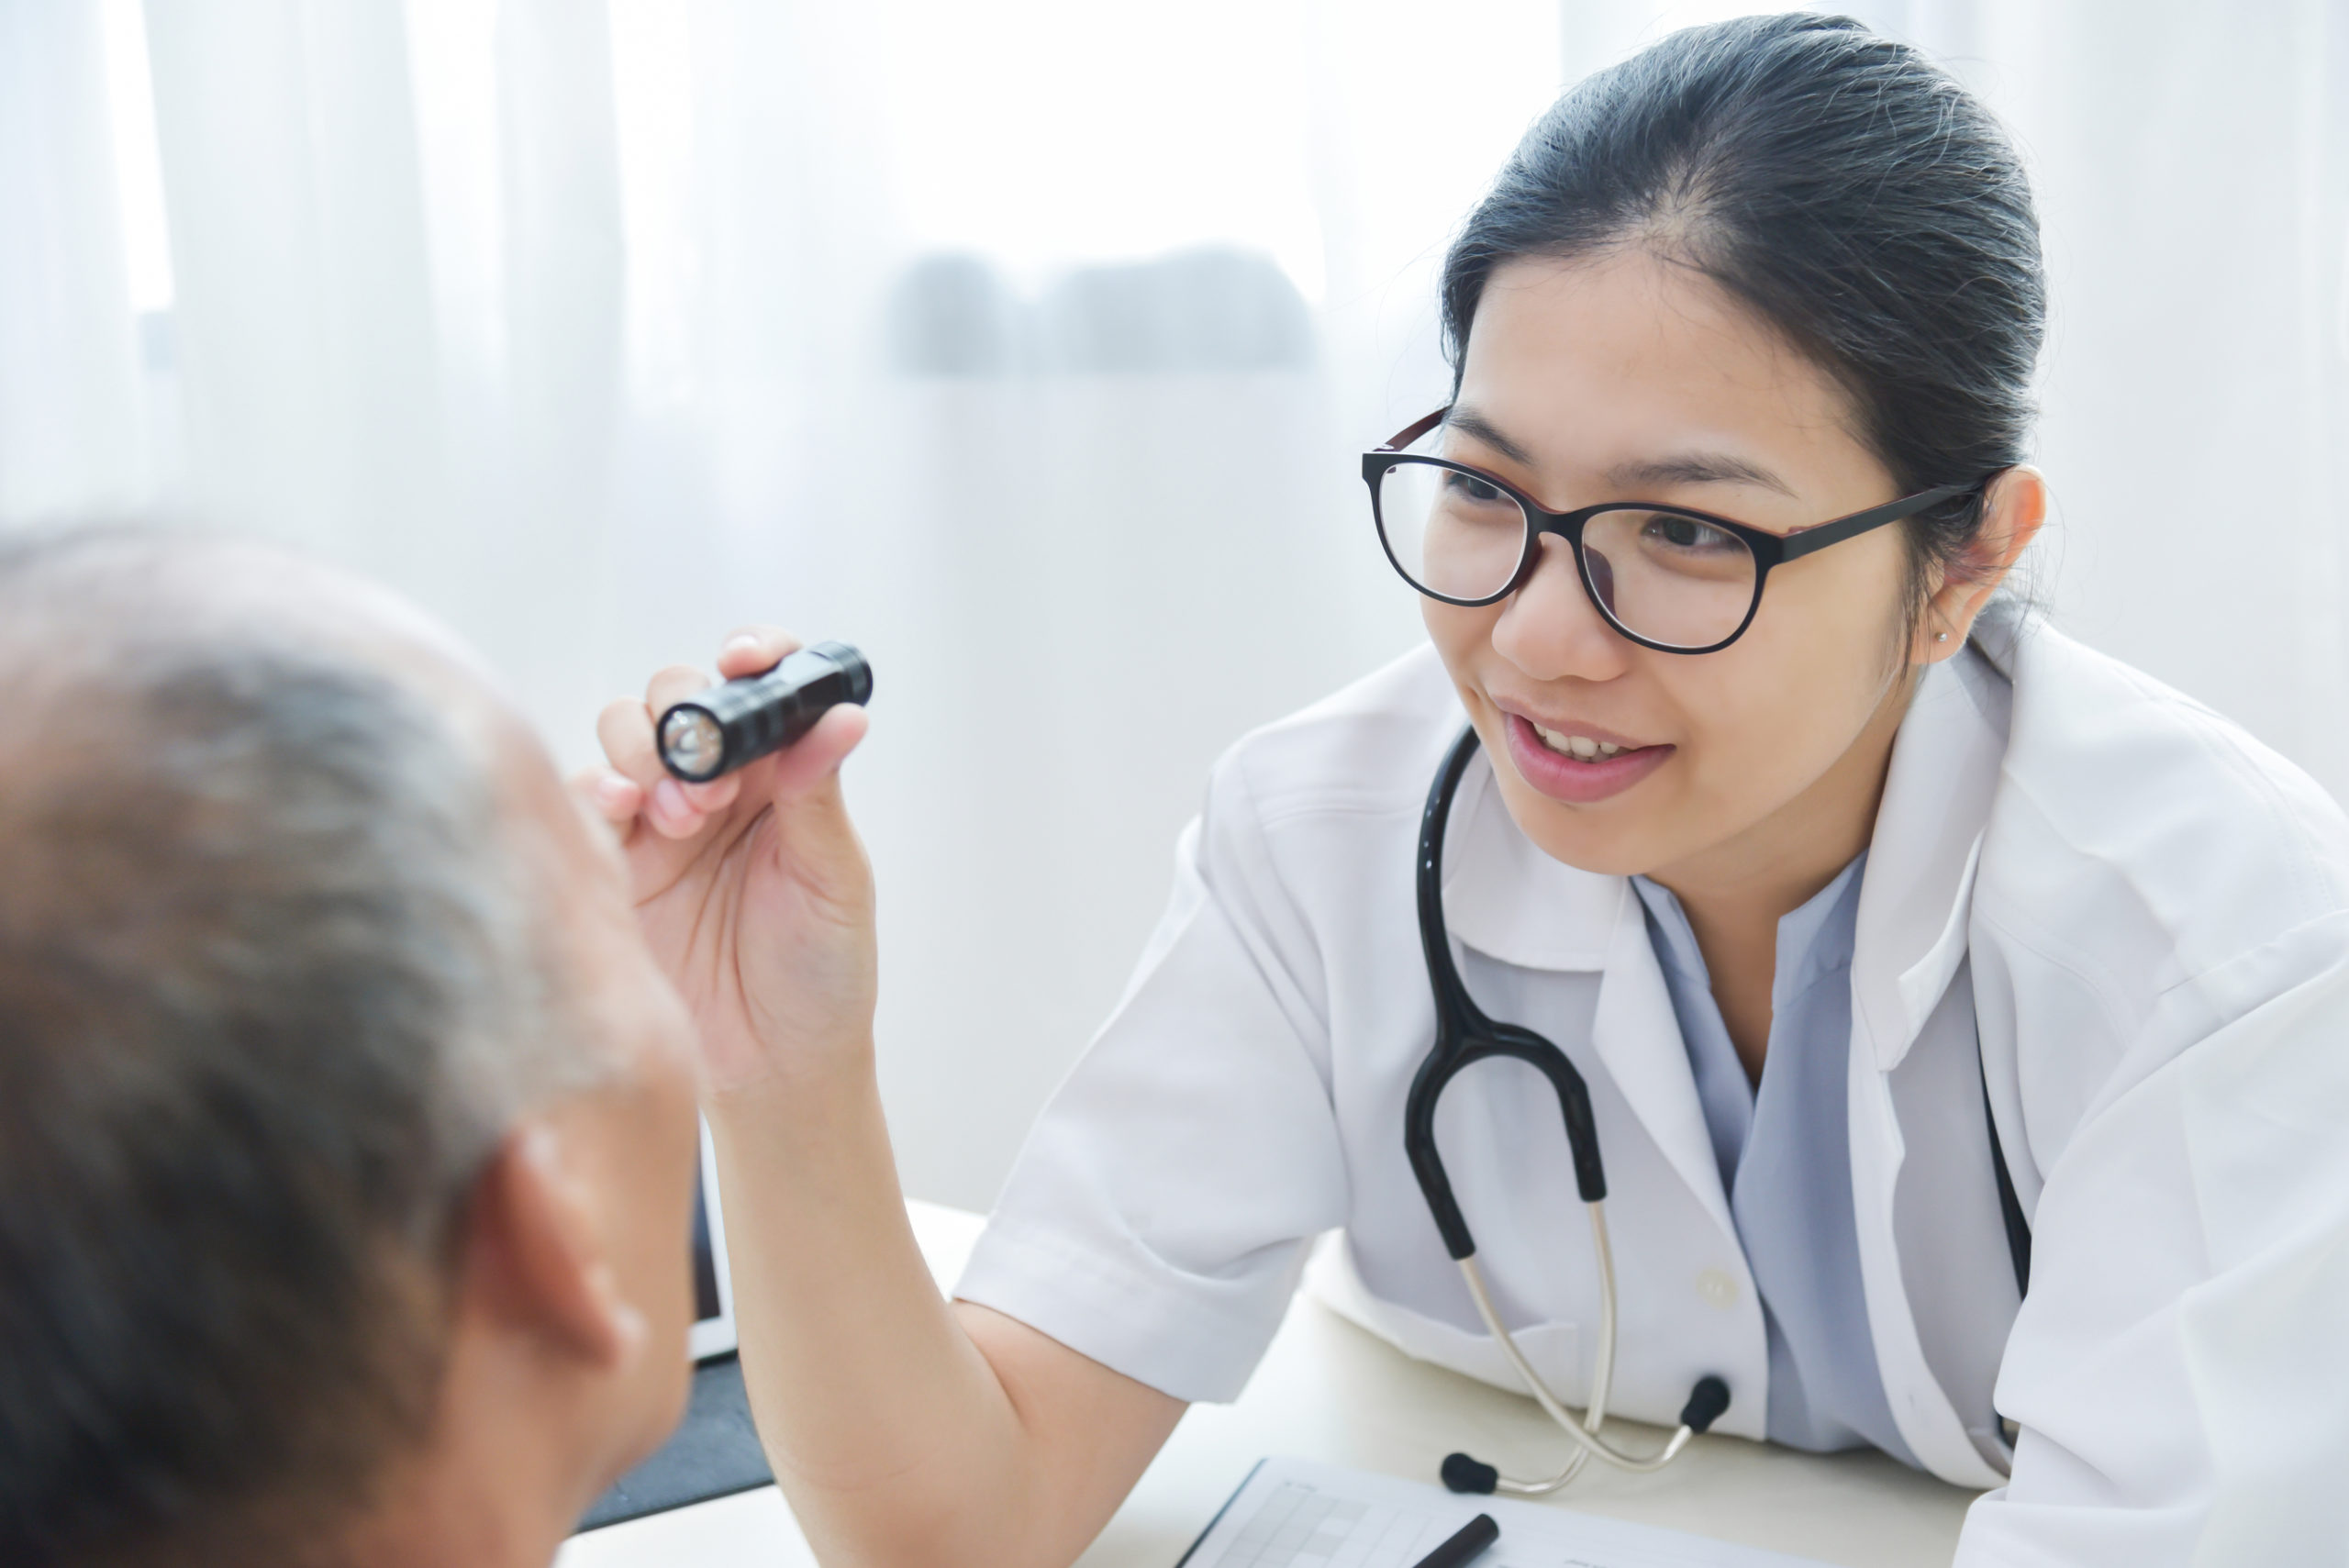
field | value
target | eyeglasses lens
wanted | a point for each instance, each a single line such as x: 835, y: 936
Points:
x: 1450, y: 533
x: 1667, y: 577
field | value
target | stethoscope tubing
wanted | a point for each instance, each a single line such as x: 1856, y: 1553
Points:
x: 1465, y: 1036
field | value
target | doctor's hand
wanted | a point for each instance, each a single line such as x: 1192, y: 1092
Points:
x: 752, y: 889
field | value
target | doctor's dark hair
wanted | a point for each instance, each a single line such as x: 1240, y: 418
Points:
x: 271, y: 985
x: 1841, y: 187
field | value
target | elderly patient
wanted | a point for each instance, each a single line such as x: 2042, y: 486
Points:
x: 347, y: 1132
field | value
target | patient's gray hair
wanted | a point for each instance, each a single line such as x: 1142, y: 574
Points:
x: 275, y: 976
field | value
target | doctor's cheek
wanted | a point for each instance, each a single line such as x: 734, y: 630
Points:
x: 1463, y: 640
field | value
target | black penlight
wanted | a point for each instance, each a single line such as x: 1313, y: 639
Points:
x: 714, y: 732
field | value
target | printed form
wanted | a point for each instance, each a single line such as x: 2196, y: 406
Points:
x: 1291, y: 1513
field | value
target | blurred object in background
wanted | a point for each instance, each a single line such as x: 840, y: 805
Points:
x: 1042, y: 331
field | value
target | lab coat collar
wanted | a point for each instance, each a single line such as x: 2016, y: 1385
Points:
x: 1508, y: 899
x: 1916, y: 906
x: 1918, y: 892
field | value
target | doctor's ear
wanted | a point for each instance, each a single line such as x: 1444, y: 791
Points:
x: 2014, y: 505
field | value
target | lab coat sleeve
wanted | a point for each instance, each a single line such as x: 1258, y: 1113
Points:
x: 1159, y: 1215
x: 2180, y: 1367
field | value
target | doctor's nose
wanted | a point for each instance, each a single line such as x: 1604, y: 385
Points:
x: 1549, y: 627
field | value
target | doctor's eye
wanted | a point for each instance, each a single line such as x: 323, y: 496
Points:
x: 1468, y: 487
x: 1675, y: 532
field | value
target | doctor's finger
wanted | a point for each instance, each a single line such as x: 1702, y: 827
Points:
x: 716, y: 795
x: 811, y: 762
x: 611, y: 795
x: 624, y: 731
x: 817, y: 844
x: 672, y: 685
x: 755, y: 649
x: 678, y: 809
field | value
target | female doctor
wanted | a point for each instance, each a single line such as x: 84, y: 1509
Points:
x: 1960, y: 1015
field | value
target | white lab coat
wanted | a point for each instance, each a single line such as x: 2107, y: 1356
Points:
x: 2144, y: 913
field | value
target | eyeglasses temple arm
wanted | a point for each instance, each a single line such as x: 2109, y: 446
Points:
x: 1413, y: 431
x: 1796, y: 545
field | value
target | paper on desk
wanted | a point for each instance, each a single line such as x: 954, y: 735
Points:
x: 1292, y: 1513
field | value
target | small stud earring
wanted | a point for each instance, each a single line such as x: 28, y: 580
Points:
x: 1941, y: 637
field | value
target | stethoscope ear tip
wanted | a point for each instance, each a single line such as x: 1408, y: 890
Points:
x: 1462, y: 1474
x: 1706, y: 1403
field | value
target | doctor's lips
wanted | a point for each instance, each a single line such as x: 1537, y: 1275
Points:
x: 1578, y: 762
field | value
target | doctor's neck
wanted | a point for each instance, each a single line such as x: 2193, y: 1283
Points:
x: 1735, y: 893
x: 1779, y: 864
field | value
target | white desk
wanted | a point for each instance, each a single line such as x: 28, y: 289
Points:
x: 1329, y: 1391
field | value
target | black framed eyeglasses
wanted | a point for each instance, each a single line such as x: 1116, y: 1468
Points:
x: 1669, y: 578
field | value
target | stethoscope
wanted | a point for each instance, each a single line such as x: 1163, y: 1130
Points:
x: 1463, y: 1037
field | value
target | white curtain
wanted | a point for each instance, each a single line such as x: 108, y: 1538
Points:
x: 1029, y: 346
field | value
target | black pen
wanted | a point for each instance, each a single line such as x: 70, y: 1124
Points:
x: 1474, y: 1536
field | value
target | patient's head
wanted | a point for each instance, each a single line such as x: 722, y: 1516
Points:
x: 345, y: 1128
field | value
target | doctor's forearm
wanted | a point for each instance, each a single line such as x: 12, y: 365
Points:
x: 896, y: 1436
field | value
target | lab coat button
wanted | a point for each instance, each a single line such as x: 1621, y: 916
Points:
x: 1718, y: 1287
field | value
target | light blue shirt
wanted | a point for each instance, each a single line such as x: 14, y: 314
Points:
x: 1785, y: 1159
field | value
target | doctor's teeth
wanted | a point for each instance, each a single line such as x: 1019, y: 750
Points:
x: 1582, y: 748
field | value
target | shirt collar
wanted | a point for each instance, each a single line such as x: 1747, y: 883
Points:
x: 1814, y: 940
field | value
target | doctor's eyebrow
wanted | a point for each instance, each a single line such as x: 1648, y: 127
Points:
x: 1681, y: 468
x: 1694, y: 468
x: 1473, y: 424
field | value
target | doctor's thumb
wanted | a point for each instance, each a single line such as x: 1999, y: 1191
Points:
x: 810, y: 766
x: 815, y: 841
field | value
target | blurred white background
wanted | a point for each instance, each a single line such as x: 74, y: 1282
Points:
x: 1028, y: 345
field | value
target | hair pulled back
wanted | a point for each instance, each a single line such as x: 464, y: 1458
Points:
x: 1840, y: 186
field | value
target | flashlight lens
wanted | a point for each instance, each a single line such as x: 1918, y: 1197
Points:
x: 691, y: 742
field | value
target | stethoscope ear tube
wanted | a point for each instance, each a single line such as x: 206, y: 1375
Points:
x: 1707, y: 1400
x: 1456, y: 1014
x: 1465, y: 1036
x: 1445, y: 1063
x: 1427, y: 1164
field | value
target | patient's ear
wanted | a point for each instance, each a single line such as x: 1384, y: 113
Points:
x: 537, y: 1253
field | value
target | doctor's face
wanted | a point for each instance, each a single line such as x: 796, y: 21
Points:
x: 1629, y: 379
